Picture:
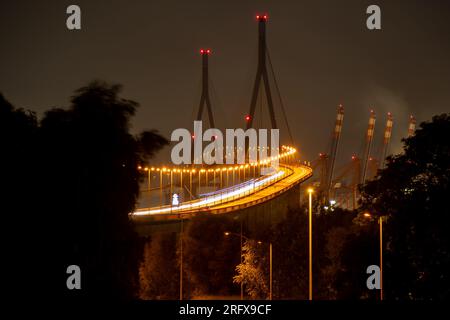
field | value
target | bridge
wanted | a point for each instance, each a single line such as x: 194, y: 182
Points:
x: 254, y: 190
x: 184, y: 192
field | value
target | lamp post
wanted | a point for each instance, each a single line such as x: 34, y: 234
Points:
x: 380, y: 222
x: 171, y: 182
x: 381, y: 257
x: 310, y: 191
x: 270, y: 261
x: 227, y: 233
x: 160, y: 187
x: 270, y: 271
x: 181, y: 180
x: 181, y: 259
x: 190, y: 184
x: 149, y: 182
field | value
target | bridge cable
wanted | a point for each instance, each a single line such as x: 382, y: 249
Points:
x: 279, y: 97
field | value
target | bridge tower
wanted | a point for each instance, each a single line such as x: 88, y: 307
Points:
x: 261, y: 75
x: 204, y: 99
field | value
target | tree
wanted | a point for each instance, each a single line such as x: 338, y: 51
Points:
x: 78, y: 170
x: 17, y: 144
x: 289, y: 239
x: 209, y: 257
x: 254, y: 270
x: 358, y: 250
x: 159, y: 270
x: 412, y: 192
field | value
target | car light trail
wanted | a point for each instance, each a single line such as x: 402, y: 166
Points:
x: 220, y: 198
x: 243, y: 184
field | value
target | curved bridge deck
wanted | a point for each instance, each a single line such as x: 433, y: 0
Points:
x: 292, y: 175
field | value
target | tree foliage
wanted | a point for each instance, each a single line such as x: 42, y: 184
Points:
x: 209, y: 257
x: 159, y: 270
x: 412, y: 192
x: 290, y: 253
x: 78, y: 168
x: 253, y: 272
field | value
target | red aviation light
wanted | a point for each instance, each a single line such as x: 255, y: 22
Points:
x: 262, y: 18
x: 247, y: 118
x: 205, y: 51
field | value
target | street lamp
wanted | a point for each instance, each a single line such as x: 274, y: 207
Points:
x: 227, y: 233
x: 310, y: 191
x: 380, y: 222
x: 181, y: 258
x: 270, y: 269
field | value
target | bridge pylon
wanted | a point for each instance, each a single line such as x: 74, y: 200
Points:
x: 261, y: 76
x: 204, y: 99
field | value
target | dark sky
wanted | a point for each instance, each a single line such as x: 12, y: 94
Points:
x: 322, y: 53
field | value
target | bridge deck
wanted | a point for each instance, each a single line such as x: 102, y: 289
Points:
x: 299, y: 174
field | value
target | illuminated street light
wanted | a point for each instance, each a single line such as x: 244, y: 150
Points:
x: 227, y: 233
x: 380, y: 222
x: 310, y: 192
x: 241, y: 236
x: 227, y: 169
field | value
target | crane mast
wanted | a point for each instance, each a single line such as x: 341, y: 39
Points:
x: 386, y: 140
x: 412, y: 126
x: 334, y: 148
x: 368, y: 145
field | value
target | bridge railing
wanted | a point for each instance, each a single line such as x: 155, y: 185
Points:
x: 221, y: 196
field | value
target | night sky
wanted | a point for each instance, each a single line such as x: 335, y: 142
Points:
x: 322, y: 53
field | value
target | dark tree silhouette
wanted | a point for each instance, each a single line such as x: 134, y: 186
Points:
x: 82, y: 180
x: 359, y: 250
x: 290, y: 255
x: 209, y: 257
x: 17, y: 144
x: 159, y: 270
x: 413, y: 193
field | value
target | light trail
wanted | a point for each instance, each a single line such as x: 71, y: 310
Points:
x: 220, y: 198
x: 223, y: 200
x: 203, y: 195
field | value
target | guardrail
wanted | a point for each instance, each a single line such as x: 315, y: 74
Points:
x: 228, y: 195
x: 220, y: 209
